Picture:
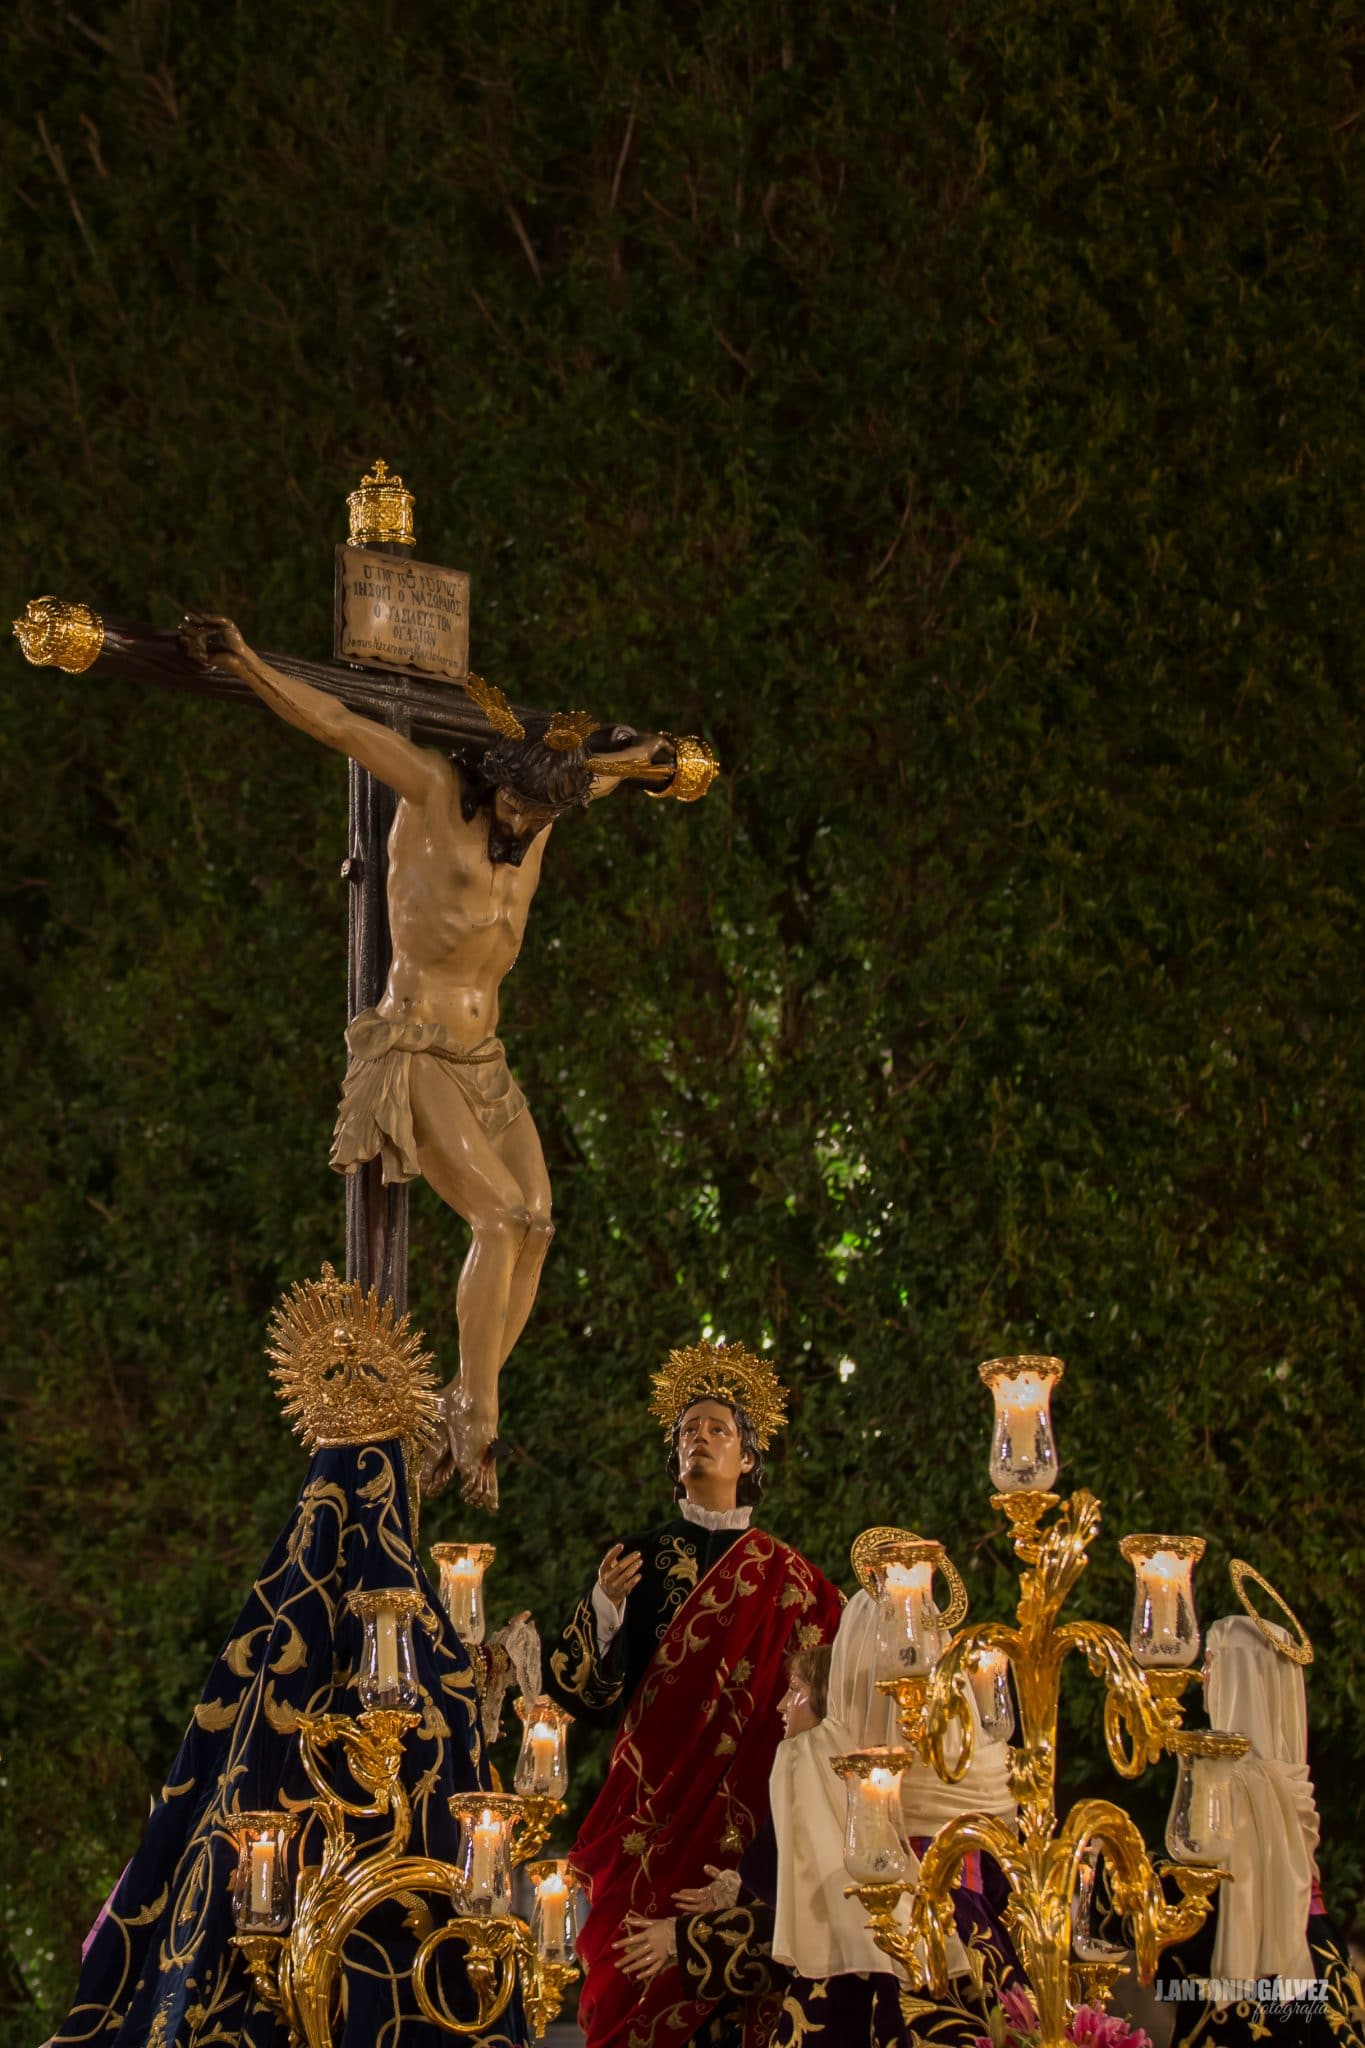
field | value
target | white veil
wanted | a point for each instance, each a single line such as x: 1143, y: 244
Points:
x: 817, y: 1931
x: 1263, y: 1914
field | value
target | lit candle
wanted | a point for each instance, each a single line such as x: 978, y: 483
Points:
x: 873, y: 1850
x: 464, y: 1596
x: 260, y: 1887
x: 543, y: 1756
x: 1163, y: 1594
x: 1165, y: 1629
x: 262, y: 1878
x: 386, y: 1652
x: 462, y: 1568
x: 1023, y: 1454
x: 553, y: 1939
x: 912, y: 1617
x: 483, y: 1868
x: 542, y: 1768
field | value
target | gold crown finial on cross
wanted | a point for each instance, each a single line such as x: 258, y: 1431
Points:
x: 381, y: 509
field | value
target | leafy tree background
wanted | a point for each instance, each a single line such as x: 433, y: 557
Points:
x: 953, y: 410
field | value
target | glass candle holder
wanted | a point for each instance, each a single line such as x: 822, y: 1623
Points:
x: 554, y: 1927
x: 462, y: 1566
x: 542, y: 1767
x: 989, y: 1678
x: 1083, y: 1899
x: 387, y: 1677
x: 1086, y: 1946
x: 262, y: 1896
x: 874, y: 1852
x: 1165, y: 1630
x: 909, y: 1626
x: 484, y: 1857
x: 1200, y: 1826
x: 1023, y: 1452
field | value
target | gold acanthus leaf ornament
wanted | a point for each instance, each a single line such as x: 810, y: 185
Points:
x: 721, y: 1372
x: 347, y: 1370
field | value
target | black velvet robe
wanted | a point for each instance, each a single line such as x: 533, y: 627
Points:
x: 596, y: 1688
x: 727, y: 1955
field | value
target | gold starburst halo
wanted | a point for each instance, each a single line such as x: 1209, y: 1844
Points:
x: 348, y: 1371
x: 720, y: 1372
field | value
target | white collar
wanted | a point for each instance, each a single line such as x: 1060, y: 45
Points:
x: 715, y: 1518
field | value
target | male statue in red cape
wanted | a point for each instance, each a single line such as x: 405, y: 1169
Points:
x: 683, y: 1636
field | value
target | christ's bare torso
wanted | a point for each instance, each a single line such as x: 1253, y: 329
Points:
x: 457, y: 918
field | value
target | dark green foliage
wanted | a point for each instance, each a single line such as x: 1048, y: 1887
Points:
x: 955, y: 413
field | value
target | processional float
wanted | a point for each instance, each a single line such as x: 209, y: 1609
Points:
x: 307, y: 1872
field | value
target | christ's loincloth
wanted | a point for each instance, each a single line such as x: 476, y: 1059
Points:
x: 376, y: 1098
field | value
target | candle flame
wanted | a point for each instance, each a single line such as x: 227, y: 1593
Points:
x: 881, y: 1778
x: 1024, y: 1393
x: 909, y: 1578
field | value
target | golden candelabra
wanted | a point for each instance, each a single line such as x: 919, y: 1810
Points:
x: 296, y: 1972
x: 1041, y: 1859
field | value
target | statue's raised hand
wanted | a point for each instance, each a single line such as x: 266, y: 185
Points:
x: 618, y: 1574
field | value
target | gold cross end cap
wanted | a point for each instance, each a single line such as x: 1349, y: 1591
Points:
x: 54, y: 634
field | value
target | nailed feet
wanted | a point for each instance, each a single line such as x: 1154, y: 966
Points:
x: 469, y: 1448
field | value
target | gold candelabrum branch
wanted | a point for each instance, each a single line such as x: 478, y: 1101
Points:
x: 1040, y: 1859
x: 296, y: 1973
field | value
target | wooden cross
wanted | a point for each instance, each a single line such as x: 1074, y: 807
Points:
x: 431, y: 710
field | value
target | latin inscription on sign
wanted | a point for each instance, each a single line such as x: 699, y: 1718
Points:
x: 403, y: 615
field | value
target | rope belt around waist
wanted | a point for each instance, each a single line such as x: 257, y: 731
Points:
x: 463, y: 1059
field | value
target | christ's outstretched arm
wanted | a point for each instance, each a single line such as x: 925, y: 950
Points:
x: 414, y: 772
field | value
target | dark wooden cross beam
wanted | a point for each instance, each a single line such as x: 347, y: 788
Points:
x: 437, y: 713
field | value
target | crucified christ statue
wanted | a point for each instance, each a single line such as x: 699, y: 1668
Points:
x: 428, y: 1089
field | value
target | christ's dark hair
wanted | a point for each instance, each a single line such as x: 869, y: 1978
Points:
x: 750, y: 1488
x: 557, y: 776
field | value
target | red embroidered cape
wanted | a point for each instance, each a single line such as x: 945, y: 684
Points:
x: 688, y: 1779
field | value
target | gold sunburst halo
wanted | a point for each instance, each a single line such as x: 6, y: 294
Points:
x: 721, y: 1372
x: 348, y: 1371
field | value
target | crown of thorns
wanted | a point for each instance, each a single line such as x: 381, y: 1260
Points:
x: 721, y: 1372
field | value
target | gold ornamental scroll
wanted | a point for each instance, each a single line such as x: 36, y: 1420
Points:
x: 412, y: 617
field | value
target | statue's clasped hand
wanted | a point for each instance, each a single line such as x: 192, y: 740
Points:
x: 212, y: 641
x: 716, y: 1897
x: 644, y: 1948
